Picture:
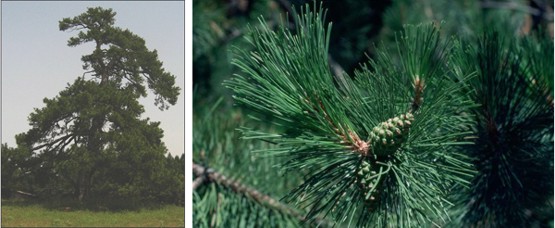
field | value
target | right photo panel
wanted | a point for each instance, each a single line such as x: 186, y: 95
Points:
x: 372, y: 113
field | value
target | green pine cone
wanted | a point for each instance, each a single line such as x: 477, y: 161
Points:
x: 389, y: 135
x: 368, y: 180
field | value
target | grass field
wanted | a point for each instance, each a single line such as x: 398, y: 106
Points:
x: 36, y: 215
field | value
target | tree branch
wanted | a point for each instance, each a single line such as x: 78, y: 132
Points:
x: 86, y: 72
x: 417, y: 101
x: 203, y: 172
x: 53, y: 142
x: 198, y: 181
x: 240, y: 188
x: 65, y: 143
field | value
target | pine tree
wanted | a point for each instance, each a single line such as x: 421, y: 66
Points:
x: 234, y: 188
x: 376, y: 154
x: 405, y: 141
x: 514, y: 147
x: 218, y: 25
x: 513, y: 87
x: 89, y: 140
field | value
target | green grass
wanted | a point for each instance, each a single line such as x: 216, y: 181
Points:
x: 33, y: 215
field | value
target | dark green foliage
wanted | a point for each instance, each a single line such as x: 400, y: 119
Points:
x: 217, y: 146
x: 479, y: 152
x: 514, y: 146
x: 219, y: 25
x: 514, y: 87
x: 356, y: 24
x: 216, y: 25
x: 89, y: 143
x: 17, y: 164
x: 328, y: 123
x: 538, y: 59
x: 217, y: 206
x: 125, y: 58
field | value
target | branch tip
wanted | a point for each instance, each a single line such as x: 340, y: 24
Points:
x: 359, y: 146
x: 419, y: 87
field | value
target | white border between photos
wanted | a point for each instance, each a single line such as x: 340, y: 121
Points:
x: 188, y: 112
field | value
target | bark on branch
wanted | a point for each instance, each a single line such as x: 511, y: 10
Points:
x: 62, y: 139
x: 211, y: 175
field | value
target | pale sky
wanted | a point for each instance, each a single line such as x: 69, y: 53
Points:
x: 37, y: 63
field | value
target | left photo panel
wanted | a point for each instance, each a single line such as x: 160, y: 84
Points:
x: 93, y: 114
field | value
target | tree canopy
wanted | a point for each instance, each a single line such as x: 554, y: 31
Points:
x: 447, y: 124
x: 90, y: 141
x: 126, y: 56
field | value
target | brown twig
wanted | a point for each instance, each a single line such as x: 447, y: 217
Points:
x: 198, y: 182
x: 238, y: 187
x: 419, y: 87
x: 362, y: 147
x: 358, y: 145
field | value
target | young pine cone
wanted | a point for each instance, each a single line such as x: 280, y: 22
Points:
x: 388, y: 135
